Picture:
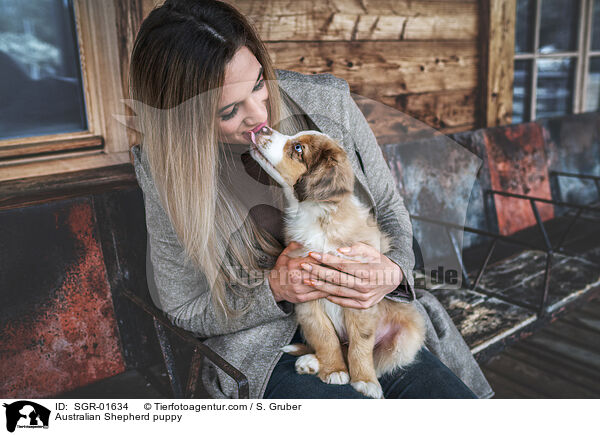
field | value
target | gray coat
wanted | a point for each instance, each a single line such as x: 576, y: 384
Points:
x: 252, y: 342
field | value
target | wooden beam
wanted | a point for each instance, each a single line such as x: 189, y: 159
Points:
x: 102, y: 71
x: 307, y: 20
x: 128, y: 17
x: 47, y: 147
x: 497, y: 28
x: 62, y: 164
x: 24, y: 192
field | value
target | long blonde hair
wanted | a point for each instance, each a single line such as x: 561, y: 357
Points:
x: 177, y: 67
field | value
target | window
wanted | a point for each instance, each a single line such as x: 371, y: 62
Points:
x: 41, y: 86
x: 557, y: 58
x: 63, y: 67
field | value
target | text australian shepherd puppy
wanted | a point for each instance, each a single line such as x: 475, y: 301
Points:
x: 323, y: 214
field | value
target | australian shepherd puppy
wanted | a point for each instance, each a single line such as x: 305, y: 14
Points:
x: 323, y: 214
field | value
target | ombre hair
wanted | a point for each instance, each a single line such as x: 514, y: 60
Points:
x: 179, y: 56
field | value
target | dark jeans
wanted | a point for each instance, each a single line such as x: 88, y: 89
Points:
x: 426, y: 378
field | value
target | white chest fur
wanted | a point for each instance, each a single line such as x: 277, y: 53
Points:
x: 304, y: 224
x: 313, y: 224
x: 336, y: 314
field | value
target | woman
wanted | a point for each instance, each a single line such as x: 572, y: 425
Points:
x: 203, y: 80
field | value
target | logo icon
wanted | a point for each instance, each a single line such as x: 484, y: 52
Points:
x: 26, y: 414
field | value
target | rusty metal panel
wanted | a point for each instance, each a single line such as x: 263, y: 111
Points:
x: 518, y: 164
x: 482, y: 210
x: 57, y: 322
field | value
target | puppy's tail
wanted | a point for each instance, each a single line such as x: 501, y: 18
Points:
x: 297, y: 349
x: 408, y: 340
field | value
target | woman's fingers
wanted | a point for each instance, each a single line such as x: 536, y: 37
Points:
x: 349, y: 303
x: 304, y: 293
x: 311, y: 296
x: 294, y: 287
x: 359, y: 269
x: 333, y: 276
x: 360, y: 249
x: 336, y: 290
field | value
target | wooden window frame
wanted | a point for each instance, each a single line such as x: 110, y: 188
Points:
x: 105, y: 32
x: 581, y: 55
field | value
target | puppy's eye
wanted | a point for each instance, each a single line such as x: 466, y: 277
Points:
x: 298, y: 148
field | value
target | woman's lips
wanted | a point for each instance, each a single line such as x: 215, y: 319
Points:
x: 257, y: 129
x: 251, y: 135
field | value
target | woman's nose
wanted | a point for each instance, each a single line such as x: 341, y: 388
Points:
x: 257, y: 111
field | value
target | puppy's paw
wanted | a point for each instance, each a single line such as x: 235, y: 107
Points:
x: 297, y: 349
x: 338, y: 378
x: 307, y: 364
x: 290, y: 348
x: 371, y: 389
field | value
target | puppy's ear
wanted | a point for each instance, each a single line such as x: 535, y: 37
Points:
x: 301, y: 188
x: 328, y: 178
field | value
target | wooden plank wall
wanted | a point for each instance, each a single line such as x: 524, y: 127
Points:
x: 419, y: 57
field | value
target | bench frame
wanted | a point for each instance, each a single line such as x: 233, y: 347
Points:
x: 163, y: 326
x: 549, y: 249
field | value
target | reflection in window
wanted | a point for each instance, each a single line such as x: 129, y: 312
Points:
x: 522, y: 91
x: 558, y: 25
x: 592, y: 92
x: 40, y: 75
x: 554, y: 93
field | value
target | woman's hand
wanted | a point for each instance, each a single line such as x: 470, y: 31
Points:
x: 286, y: 278
x: 352, y: 283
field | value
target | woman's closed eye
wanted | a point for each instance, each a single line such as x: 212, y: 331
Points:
x: 234, y: 111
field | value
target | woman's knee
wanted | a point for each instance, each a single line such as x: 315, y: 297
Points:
x: 427, y: 377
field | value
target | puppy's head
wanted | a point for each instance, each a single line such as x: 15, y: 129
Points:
x: 311, y: 163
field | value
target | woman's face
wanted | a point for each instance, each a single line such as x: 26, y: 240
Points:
x: 243, y: 103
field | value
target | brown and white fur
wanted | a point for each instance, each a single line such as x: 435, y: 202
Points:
x: 323, y: 214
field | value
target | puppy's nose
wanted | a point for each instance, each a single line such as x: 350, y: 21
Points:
x: 266, y: 131
x: 263, y: 135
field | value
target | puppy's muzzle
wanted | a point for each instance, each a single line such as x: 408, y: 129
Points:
x: 263, y: 136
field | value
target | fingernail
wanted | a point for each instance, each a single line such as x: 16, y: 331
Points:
x: 306, y: 266
x: 315, y: 255
x: 345, y: 249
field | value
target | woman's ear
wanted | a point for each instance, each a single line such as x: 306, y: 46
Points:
x: 328, y: 178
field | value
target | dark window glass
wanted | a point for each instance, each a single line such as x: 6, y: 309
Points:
x: 522, y: 91
x: 524, y: 27
x: 592, y: 92
x: 595, y: 43
x: 559, y: 26
x: 555, y: 84
x: 40, y: 74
